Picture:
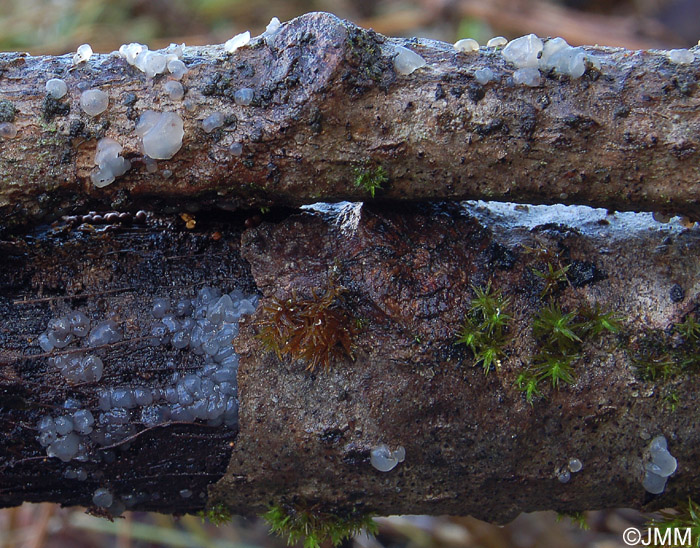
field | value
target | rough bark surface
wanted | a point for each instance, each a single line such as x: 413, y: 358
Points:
x: 328, y: 104
x: 473, y: 444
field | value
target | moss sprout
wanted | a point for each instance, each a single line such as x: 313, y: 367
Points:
x: 484, y: 327
x: 371, y: 180
x: 561, y: 336
x: 685, y: 515
x: 316, y: 527
x: 577, y: 518
x: 219, y: 514
x: 553, y: 278
x: 317, y: 330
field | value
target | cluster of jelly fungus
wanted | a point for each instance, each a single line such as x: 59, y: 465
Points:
x: 316, y: 330
x: 485, y: 326
x: 561, y: 336
x: 316, y: 527
x: 219, y: 514
x: 658, y: 355
x: 371, y: 180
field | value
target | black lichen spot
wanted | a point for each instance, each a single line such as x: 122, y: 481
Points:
x: 582, y: 273
x: 580, y: 122
x: 622, y: 112
x: 475, y: 92
x: 528, y: 121
x: 366, y: 66
x: 7, y: 111
x: 77, y: 128
x: 494, y: 125
x: 677, y: 294
x: 457, y: 91
x: 439, y: 92
x: 315, y: 119
x: 501, y: 257
x: 129, y: 99
x: 52, y: 107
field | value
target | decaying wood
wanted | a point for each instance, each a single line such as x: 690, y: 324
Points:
x: 473, y: 444
x: 329, y: 105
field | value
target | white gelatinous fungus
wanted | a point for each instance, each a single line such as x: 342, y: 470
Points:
x: 109, y: 164
x: 523, y: 52
x: 529, y: 76
x: 83, y: 53
x: 102, y: 498
x: 659, y: 466
x: 177, y: 68
x: 497, y: 41
x: 56, y: 88
x: 271, y: 31
x: 467, y: 45
x: 680, y: 56
x: 237, y: 41
x: 213, y: 121
x: 174, y: 90
x: 406, y: 61
x: 236, y: 149
x: 8, y: 130
x: 484, y: 76
x: 94, y: 101
x: 563, y: 58
x: 384, y: 459
x: 243, y: 96
x: 161, y: 134
x: 575, y: 465
x: 152, y: 63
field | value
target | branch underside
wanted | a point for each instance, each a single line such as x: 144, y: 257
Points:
x: 474, y: 445
x: 328, y: 106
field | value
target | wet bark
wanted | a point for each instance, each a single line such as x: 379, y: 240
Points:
x: 328, y: 105
x: 473, y: 443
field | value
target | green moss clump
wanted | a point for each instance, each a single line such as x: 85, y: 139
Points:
x: 561, y: 336
x: 685, y: 515
x: 219, y: 514
x: 315, y: 527
x: 371, y: 180
x: 484, y: 327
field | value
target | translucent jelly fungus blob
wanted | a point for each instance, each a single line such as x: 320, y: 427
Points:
x: 177, y: 68
x: 213, y: 121
x: 680, y: 56
x: 161, y: 134
x: 174, y: 90
x: 204, y: 326
x: 384, y: 459
x: 109, y: 164
x: 407, y: 61
x: 83, y: 53
x: 94, y: 101
x: 559, y: 56
x: 102, y: 498
x: 529, y: 76
x: 467, y: 45
x: 56, y: 88
x: 523, y: 52
x: 243, y: 96
x: 484, y: 76
x: 8, y: 130
x: 237, y: 41
x: 575, y: 465
x: 659, y: 465
x: 236, y: 149
x: 496, y: 42
x: 564, y: 476
x: 271, y: 31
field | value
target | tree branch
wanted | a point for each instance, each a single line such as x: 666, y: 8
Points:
x: 474, y: 445
x: 329, y: 105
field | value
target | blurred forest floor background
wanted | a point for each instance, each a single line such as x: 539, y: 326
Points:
x: 59, y: 26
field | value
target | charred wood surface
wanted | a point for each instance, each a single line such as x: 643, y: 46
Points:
x: 328, y: 105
